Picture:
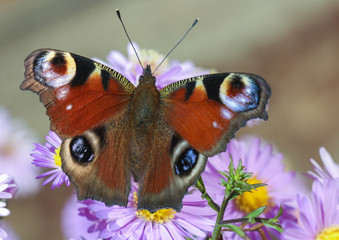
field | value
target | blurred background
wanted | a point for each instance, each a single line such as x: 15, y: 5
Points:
x: 294, y: 45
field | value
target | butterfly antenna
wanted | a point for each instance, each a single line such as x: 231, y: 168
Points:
x: 194, y: 23
x: 123, y: 25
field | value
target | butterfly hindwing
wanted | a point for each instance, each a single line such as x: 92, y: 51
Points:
x: 208, y: 110
x: 173, y: 166
x: 101, y: 171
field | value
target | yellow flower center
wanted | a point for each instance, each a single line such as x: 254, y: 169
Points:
x: 57, y: 158
x: 250, y: 201
x: 330, y: 233
x: 160, y: 216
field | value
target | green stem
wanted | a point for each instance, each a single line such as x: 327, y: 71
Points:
x: 244, y: 220
x: 201, y: 187
x: 220, y: 216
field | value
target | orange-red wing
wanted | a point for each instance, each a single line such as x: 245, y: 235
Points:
x: 78, y: 93
x: 208, y: 110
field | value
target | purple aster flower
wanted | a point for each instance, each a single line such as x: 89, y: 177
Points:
x: 330, y: 171
x: 195, y: 220
x: 318, y: 216
x: 267, y: 167
x: 15, y: 146
x: 7, y: 232
x: 7, y: 190
x: 48, y: 156
x: 169, y: 72
x: 79, y: 222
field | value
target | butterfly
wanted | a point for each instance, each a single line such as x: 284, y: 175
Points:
x: 114, y: 132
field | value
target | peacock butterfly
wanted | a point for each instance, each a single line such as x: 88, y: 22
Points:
x: 114, y: 132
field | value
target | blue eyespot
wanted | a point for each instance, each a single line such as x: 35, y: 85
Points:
x: 186, y: 161
x: 244, y: 94
x: 81, y: 150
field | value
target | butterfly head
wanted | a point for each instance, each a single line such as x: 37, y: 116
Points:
x: 147, y: 76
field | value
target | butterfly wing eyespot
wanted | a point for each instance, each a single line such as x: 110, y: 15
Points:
x: 186, y: 162
x: 239, y: 93
x: 81, y: 150
x: 185, y: 159
x: 54, y: 69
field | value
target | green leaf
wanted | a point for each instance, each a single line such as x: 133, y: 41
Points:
x: 244, y: 187
x: 223, y: 173
x: 239, y: 167
x: 234, y: 194
x: 223, y: 182
x: 279, y: 213
x: 200, y: 185
x: 231, y: 167
x: 238, y: 230
x: 274, y: 226
x: 256, y: 212
x: 247, y: 175
x: 258, y: 185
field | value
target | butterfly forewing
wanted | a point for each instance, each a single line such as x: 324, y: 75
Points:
x: 208, y: 110
x: 77, y: 93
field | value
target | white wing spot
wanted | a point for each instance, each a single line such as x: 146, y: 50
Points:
x: 227, y: 114
x: 62, y: 93
x: 69, y: 107
x: 215, y: 124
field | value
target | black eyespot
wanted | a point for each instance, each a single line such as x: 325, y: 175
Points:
x: 237, y: 83
x: 81, y: 150
x: 58, y: 60
x: 186, y: 161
